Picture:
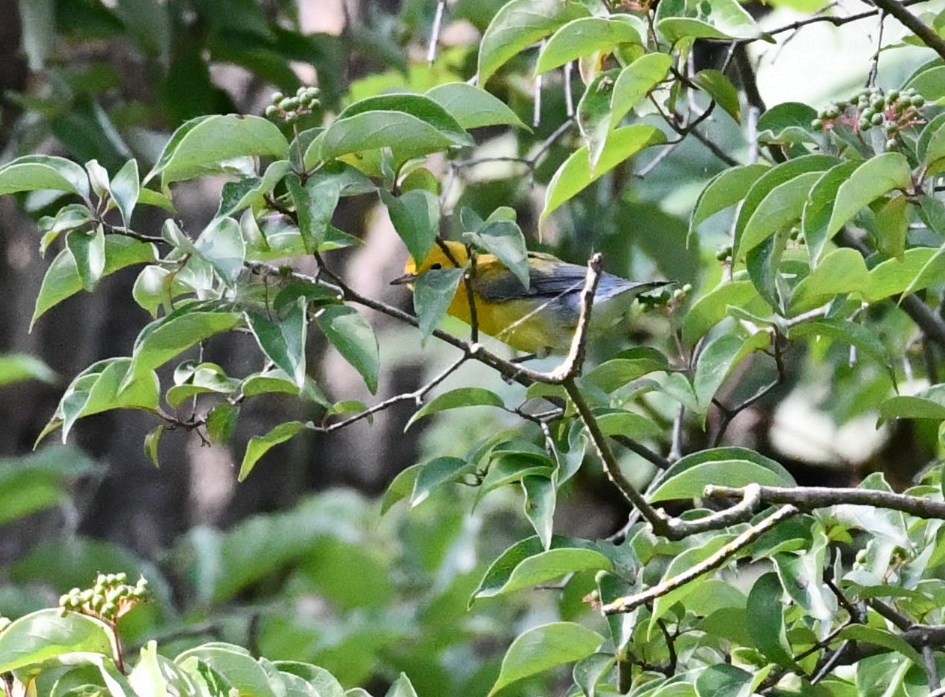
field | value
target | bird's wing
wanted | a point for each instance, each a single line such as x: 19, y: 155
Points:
x: 548, y: 277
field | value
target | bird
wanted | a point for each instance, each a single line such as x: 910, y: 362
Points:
x: 539, y: 320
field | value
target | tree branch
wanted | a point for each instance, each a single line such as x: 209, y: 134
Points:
x: 631, y: 602
x: 913, y: 24
x: 814, y: 497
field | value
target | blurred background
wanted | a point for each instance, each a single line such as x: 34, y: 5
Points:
x: 297, y: 562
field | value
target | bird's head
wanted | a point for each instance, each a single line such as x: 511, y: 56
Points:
x: 444, y: 255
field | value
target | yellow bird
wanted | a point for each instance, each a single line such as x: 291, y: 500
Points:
x: 541, y: 319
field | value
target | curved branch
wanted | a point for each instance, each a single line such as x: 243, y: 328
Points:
x: 723, y: 554
x: 814, y: 497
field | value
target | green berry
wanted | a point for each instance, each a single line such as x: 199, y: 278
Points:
x: 877, y: 120
x: 831, y: 112
x: 817, y: 125
x: 277, y: 97
x: 917, y: 101
x: 864, y: 124
x: 892, y: 95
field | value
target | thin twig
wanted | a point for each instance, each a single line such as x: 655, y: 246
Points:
x: 913, y: 24
x: 874, y: 61
x: 417, y: 397
x: 656, y: 518
x: 723, y: 554
x: 435, y: 31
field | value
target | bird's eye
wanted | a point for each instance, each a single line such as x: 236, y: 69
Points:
x: 436, y: 267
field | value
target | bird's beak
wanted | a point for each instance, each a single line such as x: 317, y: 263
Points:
x: 404, y: 280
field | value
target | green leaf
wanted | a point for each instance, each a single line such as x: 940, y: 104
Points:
x: 852, y: 333
x: 240, y: 670
x: 457, y: 399
x: 260, y: 445
x: 400, y: 488
x: 721, y: 89
x: 928, y: 83
x: 819, y: 207
x: 874, y: 178
x: 354, y: 338
x: 724, y: 190
x: 545, y: 647
x: 103, y: 386
x: 315, y: 202
x: 779, y: 209
x: 928, y: 404
x: 19, y: 367
x: 765, y: 613
x: 406, y: 135
x: 518, y: 25
x: 433, y: 292
x: 576, y: 174
x: 125, y: 189
x: 890, y: 225
x: 505, y: 240
x: 881, y: 637
x: 251, y: 191
x: 635, y: 82
x: 629, y: 424
x: 43, y: 173
x: 434, y: 474
x: 401, y: 687
x: 152, y: 444
x: 202, y: 146
x: 593, y: 114
x: 716, y: 19
x: 844, y: 271
x: 168, y: 337
x: 221, y: 245
x: 418, y: 105
x: 510, y: 468
x: 801, y: 574
x: 714, y: 306
x: 733, y: 467
x: 680, y: 564
x: 473, y: 107
x: 763, y: 264
x: 530, y: 563
x: 585, y: 36
x: 283, y: 339
x: 625, y: 368
x: 723, y: 679
x: 62, y: 279
x: 767, y: 182
x: 41, y: 480
x: 719, y: 357
x: 88, y: 254
x: 44, y: 635
x: 787, y: 123
x: 416, y: 218
x: 221, y: 422
x: 540, y: 500
x: 591, y: 670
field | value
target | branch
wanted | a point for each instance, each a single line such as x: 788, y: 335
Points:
x: 814, y: 497
x: 913, y: 24
x: 631, y: 602
x: 657, y: 519
x: 417, y: 396
x: 435, y: 31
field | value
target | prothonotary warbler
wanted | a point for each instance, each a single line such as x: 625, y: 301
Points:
x: 540, y: 319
